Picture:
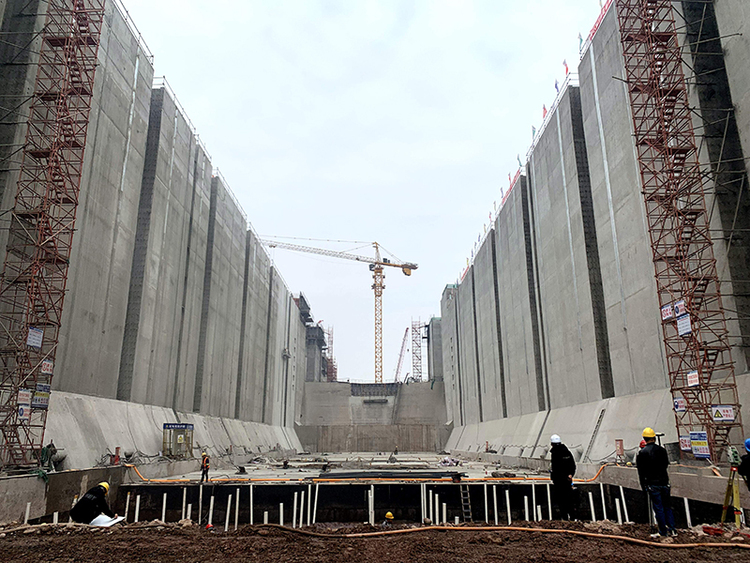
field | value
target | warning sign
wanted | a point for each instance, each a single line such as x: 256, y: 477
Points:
x: 685, y: 444
x: 699, y: 445
x: 680, y: 405
x: 693, y: 379
x: 683, y: 325
x: 24, y: 412
x: 680, y: 308
x: 47, y: 367
x: 667, y: 312
x: 24, y: 397
x: 722, y: 413
x: 35, y: 337
x: 41, y: 397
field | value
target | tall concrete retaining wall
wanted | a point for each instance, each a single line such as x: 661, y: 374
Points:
x: 337, y: 417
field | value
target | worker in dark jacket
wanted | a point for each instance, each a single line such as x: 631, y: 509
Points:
x: 205, y: 466
x: 652, y: 462
x: 744, y: 468
x: 561, y: 473
x: 92, y: 504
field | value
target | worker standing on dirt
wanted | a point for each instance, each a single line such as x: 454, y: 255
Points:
x: 92, y: 504
x: 744, y: 468
x: 388, y: 519
x: 205, y: 466
x: 652, y: 462
x: 562, y: 471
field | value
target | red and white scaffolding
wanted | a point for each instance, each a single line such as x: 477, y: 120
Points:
x: 701, y: 371
x: 32, y: 287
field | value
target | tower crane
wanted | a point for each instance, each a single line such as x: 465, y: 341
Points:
x: 377, y: 265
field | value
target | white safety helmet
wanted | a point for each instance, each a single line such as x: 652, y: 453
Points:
x: 555, y: 439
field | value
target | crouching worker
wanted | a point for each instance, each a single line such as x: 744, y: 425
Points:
x: 92, y: 504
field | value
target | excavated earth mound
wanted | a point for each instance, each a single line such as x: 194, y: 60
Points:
x: 186, y: 542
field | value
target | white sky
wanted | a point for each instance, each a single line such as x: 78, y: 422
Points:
x: 394, y: 121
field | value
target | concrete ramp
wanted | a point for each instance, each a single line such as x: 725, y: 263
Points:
x: 89, y: 428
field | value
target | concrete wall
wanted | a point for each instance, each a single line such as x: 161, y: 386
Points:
x: 88, y: 428
x: 93, y: 321
x: 411, y: 417
x: 150, y: 346
x: 221, y: 316
x: 434, y: 349
x: 578, y: 340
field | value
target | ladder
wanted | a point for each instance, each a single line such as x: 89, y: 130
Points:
x: 466, y: 503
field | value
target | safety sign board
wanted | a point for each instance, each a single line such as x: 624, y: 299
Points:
x: 699, y: 445
x: 680, y: 308
x: 685, y: 444
x: 24, y: 396
x: 667, y: 312
x: 35, y: 337
x: 683, y: 325
x: 693, y: 379
x: 24, y: 412
x: 722, y: 413
x: 47, y: 367
x: 41, y: 396
x: 679, y: 404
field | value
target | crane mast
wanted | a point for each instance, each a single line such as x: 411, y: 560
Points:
x: 376, y: 265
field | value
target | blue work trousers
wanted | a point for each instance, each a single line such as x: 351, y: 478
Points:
x: 661, y: 499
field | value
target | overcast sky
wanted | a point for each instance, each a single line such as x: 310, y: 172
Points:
x: 388, y: 121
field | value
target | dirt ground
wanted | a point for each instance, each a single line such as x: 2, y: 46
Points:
x: 137, y: 543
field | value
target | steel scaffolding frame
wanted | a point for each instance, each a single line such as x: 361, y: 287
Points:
x: 416, y: 350
x: 32, y: 285
x: 699, y: 361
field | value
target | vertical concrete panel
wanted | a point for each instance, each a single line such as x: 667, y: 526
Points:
x: 564, y: 295
x: 467, y: 353
x: 220, y: 330
x: 629, y: 288
x: 435, y: 349
x: 451, y: 347
x: 95, y: 308
x: 515, y: 307
x: 487, y: 338
x: 151, y: 343
x: 188, y: 329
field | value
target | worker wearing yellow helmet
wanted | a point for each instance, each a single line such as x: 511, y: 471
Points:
x: 92, y: 504
x: 388, y: 519
x: 205, y: 466
x: 652, y: 462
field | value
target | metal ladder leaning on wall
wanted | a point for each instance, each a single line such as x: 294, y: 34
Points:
x: 466, y: 503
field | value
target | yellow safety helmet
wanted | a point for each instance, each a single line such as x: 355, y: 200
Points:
x: 389, y: 516
x: 105, y: 486
x: 648, y: 432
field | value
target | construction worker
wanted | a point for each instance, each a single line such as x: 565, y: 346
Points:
x: 562, y: 471
x: 92, y: 504
x: 744, y: 468
x: 205, y: 466
x: 652, y: 462
x: 388, y: 519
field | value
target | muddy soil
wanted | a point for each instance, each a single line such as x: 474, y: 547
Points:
x: 186, y: 543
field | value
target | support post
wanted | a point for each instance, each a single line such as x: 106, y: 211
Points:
x: 229, y: 513
x: 184, y: 501
x: 507, y: 505
x: 619, y: 512
x: 486, y: 506
x: 604, y: 504
x: 494, y: 503
x: 591, y: 504
x: 252, y: 521
x: 127, y: 506
x: 526, y: 508
x: 164, y: 507
x: 137, y: 507
x: 294, y: 511
x: 624, y: 505
x: 281, y: 513
x: 315, y: 508
x: 687, y: 513
x: 237, y: 509
x: 211, y: 511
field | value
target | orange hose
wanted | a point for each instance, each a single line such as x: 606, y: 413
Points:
x: 509, y: 529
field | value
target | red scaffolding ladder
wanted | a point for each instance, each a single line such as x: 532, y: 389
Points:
x: 32, y: 286
x: 701, y: 371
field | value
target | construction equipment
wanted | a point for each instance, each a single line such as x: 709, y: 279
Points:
x: 42, y: 223
x: 401, y: 356
x: 733, y: 489
x: 694, y: 328
x: 376, y: 265
x: 416, y: 350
